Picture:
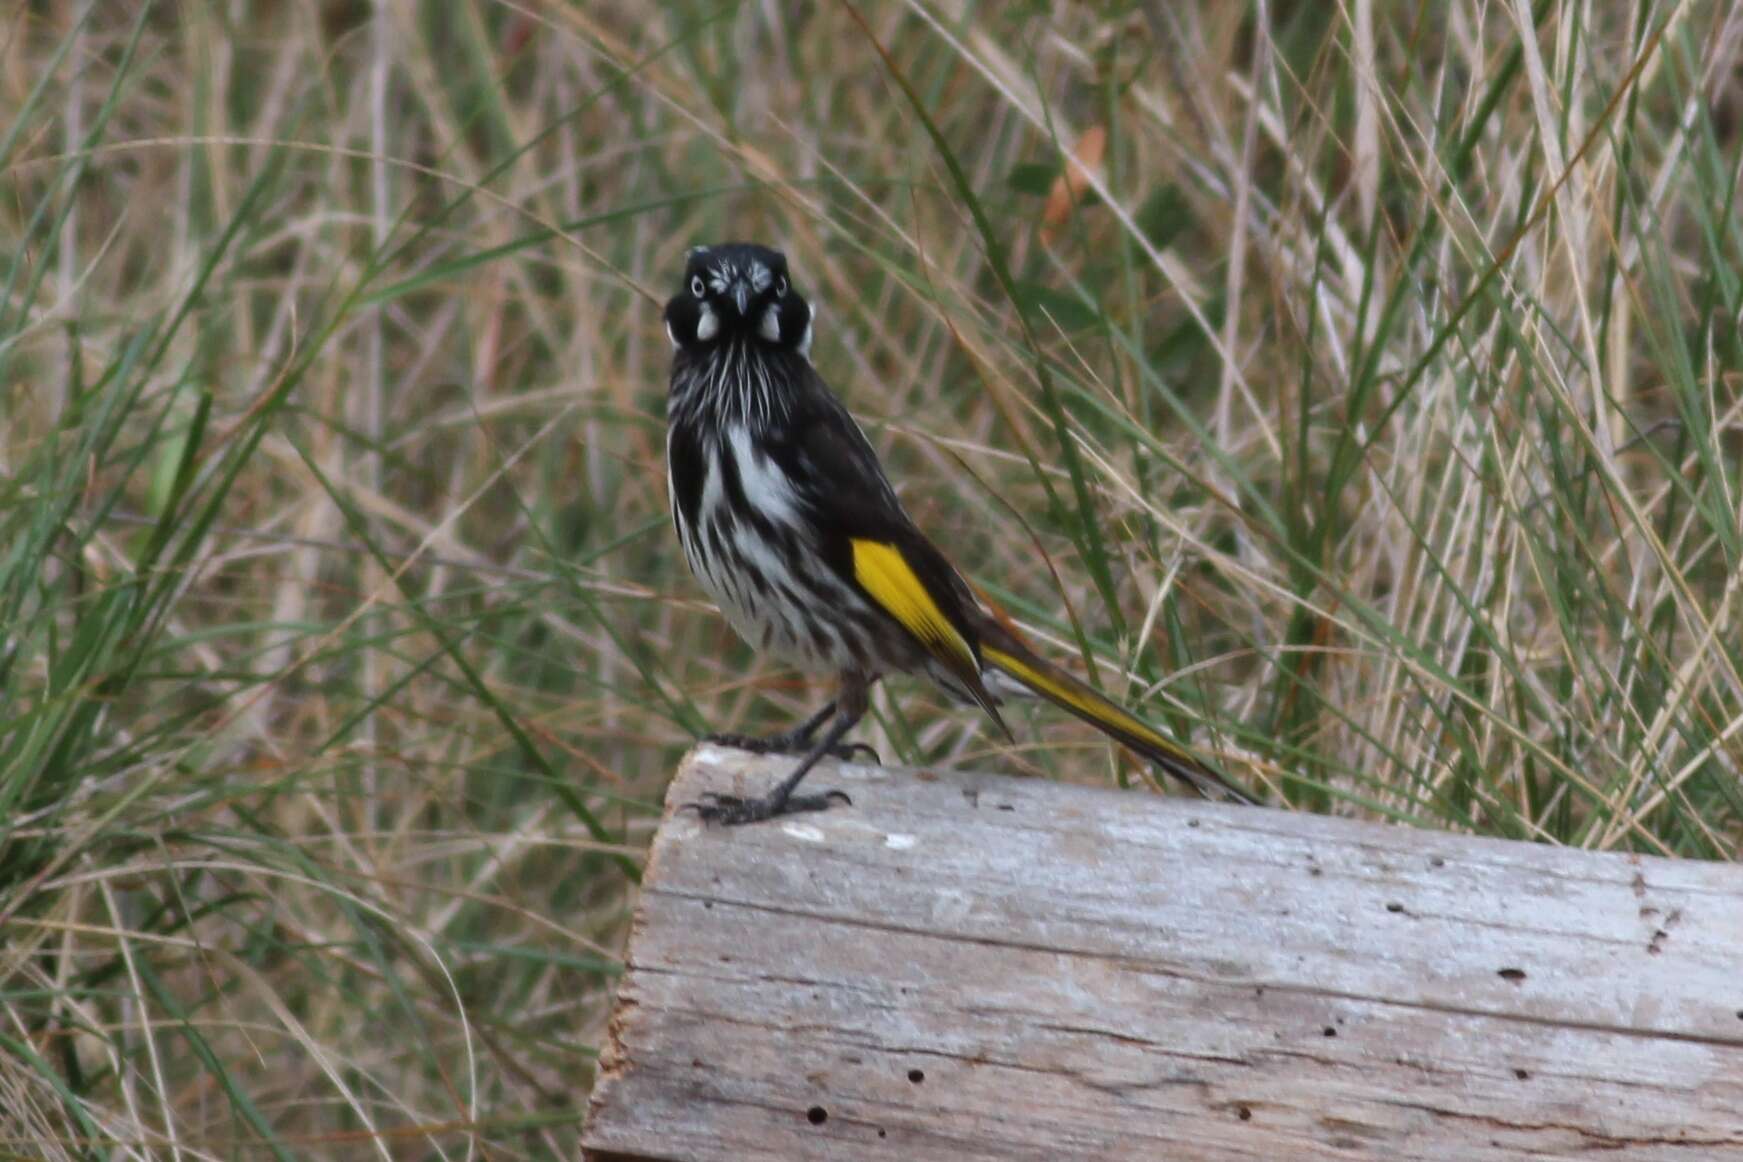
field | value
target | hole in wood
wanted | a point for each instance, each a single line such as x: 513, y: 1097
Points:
x: 817, y: 1115
x: 1245, y: 1114
x: 1436, y: 861
x: 1329, y: 1031
x: 1511, y: 974
x: 1394, y: 906
x: 916, y: 1075
x: 1522, y: 1074
x: 881, y: 1134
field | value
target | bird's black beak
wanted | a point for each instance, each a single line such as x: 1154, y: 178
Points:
x: 741, y: 295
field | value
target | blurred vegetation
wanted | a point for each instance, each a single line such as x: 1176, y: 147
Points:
x: 1355, y: 389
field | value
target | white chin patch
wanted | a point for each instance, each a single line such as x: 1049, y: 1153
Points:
x: 771, y: 325
x: 708, y: 325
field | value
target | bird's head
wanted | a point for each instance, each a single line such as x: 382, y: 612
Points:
x: 737, y: 292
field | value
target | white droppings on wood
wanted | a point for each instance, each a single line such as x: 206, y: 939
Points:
x: 803, y: 831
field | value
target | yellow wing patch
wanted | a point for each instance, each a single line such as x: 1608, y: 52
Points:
x: 1081, y: 698
x: 885, y: 574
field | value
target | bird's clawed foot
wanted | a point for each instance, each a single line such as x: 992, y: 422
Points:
x: 730, y: 810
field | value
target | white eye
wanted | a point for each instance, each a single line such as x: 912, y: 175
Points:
x: 696, y: 287
x: 781, y: 287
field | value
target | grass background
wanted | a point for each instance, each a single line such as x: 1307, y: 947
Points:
x: 1372, y: 419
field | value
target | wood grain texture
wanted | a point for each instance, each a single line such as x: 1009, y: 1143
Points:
x: 965, y: 966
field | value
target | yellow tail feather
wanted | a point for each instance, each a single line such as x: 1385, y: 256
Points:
x: 1069, y: 694
x: 1081, y: 699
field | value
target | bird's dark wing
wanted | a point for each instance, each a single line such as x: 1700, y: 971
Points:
x: 869, y: 540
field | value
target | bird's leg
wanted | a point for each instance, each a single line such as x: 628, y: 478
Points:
x: 795, y: 741
x: 849, y: 708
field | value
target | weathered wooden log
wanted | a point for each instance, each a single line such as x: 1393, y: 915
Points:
x: 964, y: 966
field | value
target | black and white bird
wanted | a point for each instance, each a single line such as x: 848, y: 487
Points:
x: 790, y: 524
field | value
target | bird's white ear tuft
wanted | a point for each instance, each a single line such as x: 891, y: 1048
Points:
x: 805, y: 339
x: 708, y: 325
x: 672, y: 335
x: 770, y: 328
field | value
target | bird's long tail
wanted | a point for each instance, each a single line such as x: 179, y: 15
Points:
x: 1000, y: 650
